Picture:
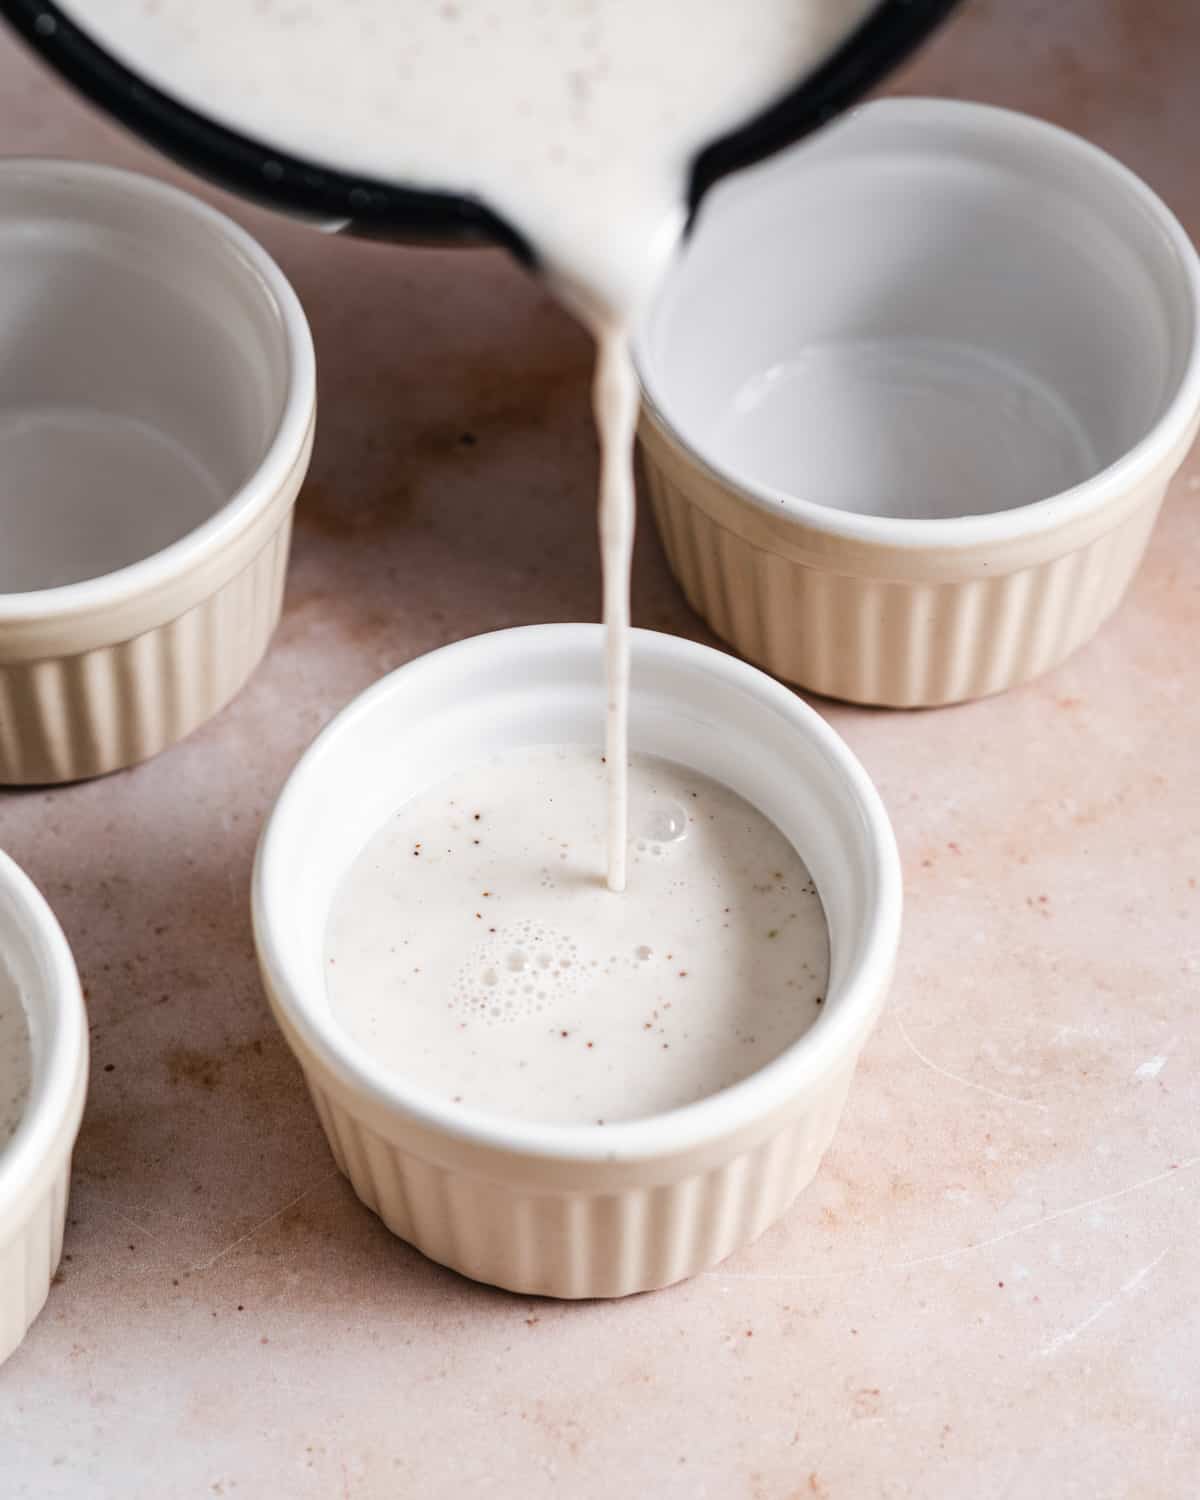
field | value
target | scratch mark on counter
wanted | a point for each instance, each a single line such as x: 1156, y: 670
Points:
x: 1050, y: 1218
x: 954, y: 1077
x: 1060, y: 1341
x: 939, y: 1257
x: 206, y: 1265
x: 133, y: 1224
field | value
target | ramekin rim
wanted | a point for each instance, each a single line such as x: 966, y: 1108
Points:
x: 121, y: 586
x: 1038, y: 517
x: 833, y: 1039
x: 57, y: 1108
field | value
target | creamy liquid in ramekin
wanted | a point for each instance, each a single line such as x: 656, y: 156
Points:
x: 15, y: 1057
x: 474, y: 949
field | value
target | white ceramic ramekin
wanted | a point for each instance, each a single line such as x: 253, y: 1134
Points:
x: 157, y: 396
x: 577, y: 1211
x: 913, y: 397
x: 35, y: 1165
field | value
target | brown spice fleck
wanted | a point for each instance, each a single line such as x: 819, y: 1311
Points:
x: 189, y: 1065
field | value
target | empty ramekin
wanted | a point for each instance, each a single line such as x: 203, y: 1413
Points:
x: 587, y: 1210
x: 35, y: 1165
x: 157, y: 394
x: 913, y: 397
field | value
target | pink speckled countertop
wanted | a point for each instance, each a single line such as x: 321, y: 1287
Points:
x: 992, y: 1288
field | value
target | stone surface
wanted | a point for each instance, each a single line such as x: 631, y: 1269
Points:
x: 991, y: 1289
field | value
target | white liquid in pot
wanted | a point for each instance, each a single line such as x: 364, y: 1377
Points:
x: 576, y: 120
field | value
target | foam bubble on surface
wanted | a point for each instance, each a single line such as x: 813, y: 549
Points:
x: 523, y: 969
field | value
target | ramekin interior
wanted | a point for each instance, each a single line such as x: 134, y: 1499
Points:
x: 936, y: 312
x: 541, y: 685
x: 150, y: 348
x: 35, y: 953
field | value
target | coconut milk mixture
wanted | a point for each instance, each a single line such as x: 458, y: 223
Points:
x: 576, y: 120
x: 15, y: 1059
x: 472, y: 945
x: 473, y: 948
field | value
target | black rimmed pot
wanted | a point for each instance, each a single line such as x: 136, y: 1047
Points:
x: 381, y: 210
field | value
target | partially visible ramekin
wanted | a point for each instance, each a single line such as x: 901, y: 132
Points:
x: 35, y: 1165
x: 143, y: 336
x: 586, y: 1210
x: 913, y: 398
